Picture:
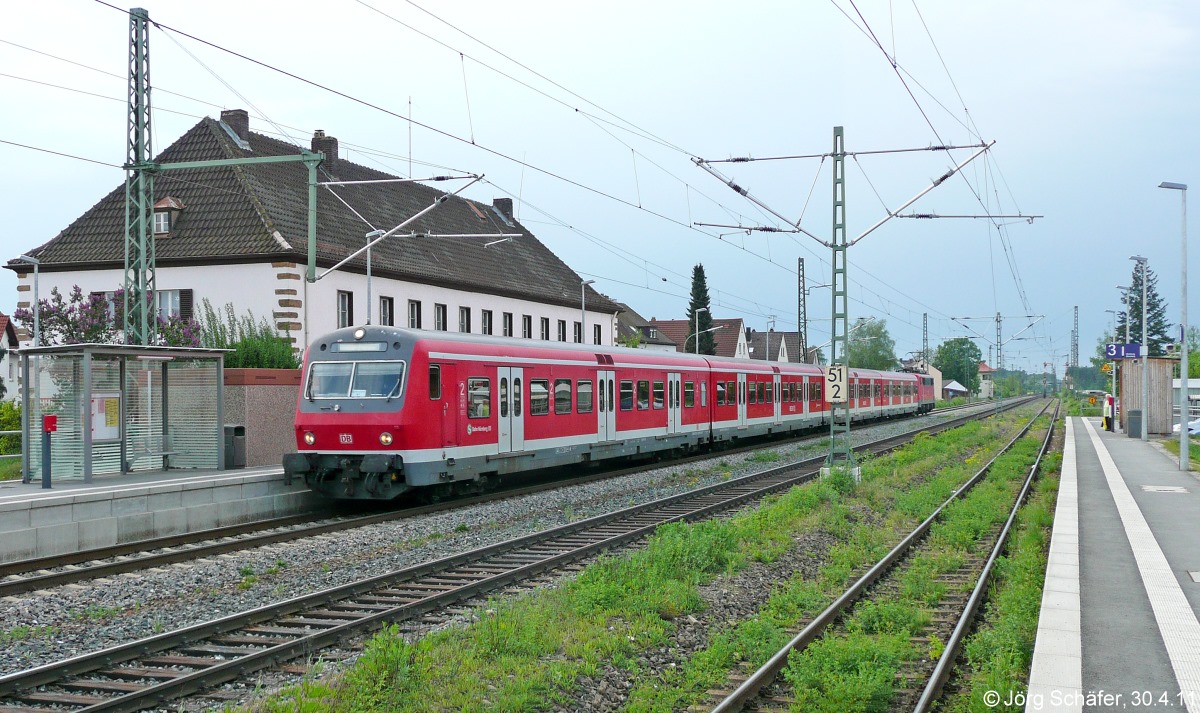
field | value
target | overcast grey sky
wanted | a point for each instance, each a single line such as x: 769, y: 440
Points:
x: 1091, y: 104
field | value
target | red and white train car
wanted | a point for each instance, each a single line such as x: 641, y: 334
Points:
x: 383, y: 410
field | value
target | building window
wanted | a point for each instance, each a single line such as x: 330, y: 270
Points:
x: 562, y: 330
x: 345, y: 308
x: 596, y: 334
x: 486, y: 322
x: 577, y: 332
x: 464, y: 319
x: 439, y: 317
x: 168, y: 303
x: 527, y: 326
x: 508, y: 324
x: 387, y: 312
x: 414, y: 314
x: 545, y: 329
x: 162, y: 222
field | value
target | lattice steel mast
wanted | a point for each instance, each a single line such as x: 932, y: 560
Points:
x: 840, y: 452
x: 140, y: 315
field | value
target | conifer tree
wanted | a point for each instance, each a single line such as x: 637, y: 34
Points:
x: 708, y: 344
x: 1158, y: 330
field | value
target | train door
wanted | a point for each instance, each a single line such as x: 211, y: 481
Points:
x: 443, y: 386
x: 674, y: 411
x: 606, y: 413
x: 511, y: 417
x: 741, y: 400
x: 775, y: 386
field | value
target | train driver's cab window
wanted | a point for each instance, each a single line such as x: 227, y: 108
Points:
x: 583, y: 397
x: 358, y: 380
x: 562, y: 396
x: 626, y: 395
x: 643, y: 396
x: 479, y: 398
x: 435, y: 381
x: 539, y: 397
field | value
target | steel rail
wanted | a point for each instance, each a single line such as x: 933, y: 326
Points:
x: 213, y: 672
x: 769, y: 671
x: 941, y: 672
x: 207, y: 543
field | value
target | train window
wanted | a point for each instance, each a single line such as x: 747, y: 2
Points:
x: 720, y: 393
x: 643, y: 395
x: 731, y: 393
x: 658, y: 394
x: 583, y: 396
x: 626, y: 395
x: 539, y: 397
x: 753, y: 395
x: 516, y: 397
x: 603, y: 401
x: 689, y: 395
x: 503, y: 398
x: 479, y: 398
x: 762, y: 392
x: 562, y: 396
x: 435, y: 381
x: 815, y: 390
x: 703, y: 394
x: 330, y: 380
x: 377, y: 380
x: 612, y: 404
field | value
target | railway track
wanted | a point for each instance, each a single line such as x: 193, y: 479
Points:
x: 45, y: 573
x: 161, y: 668
x: 763, y: 690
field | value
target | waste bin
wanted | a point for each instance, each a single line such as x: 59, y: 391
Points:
x: 1134, y: 427
x: 235, y: 446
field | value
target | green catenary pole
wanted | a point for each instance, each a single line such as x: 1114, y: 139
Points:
x: 840, y: 453
x: 140, y: 321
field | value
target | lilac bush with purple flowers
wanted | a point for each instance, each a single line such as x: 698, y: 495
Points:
x: 92, y: 319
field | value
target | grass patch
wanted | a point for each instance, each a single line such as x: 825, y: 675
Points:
x: 529, y: 652
x: 1172, y: 446
x: 10, y: 468
x: 24, y: 633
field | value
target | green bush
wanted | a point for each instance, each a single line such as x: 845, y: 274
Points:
x: 255, y: 344
x: 10, y: 420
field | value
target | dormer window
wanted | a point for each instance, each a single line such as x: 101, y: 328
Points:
x: 166, y: 212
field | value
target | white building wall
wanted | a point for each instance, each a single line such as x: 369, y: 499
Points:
x: 279, y: 292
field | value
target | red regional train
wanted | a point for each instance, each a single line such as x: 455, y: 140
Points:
x: 384, y: 410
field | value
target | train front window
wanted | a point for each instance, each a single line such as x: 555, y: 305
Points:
x: 377, y: 380
x: 355, y: 380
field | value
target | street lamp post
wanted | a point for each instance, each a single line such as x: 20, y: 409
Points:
x: 583, y: 310
x: 697, y: 329
x: 37, y: 332
x: 1141, y: 261
x: 1184, y: 400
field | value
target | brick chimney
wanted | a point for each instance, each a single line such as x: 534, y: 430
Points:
x: 239, y: 121
x: 504, y: 205
x: 325, y: 144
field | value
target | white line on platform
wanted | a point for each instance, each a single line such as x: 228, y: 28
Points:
x: 1057, y: 655
x: 1176, y: 620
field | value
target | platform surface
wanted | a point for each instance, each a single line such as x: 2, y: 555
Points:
x: 1118, y: 627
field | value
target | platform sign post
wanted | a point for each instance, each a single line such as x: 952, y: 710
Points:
x: 49, y: 425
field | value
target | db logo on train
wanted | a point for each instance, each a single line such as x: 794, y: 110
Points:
x: 346, y: 438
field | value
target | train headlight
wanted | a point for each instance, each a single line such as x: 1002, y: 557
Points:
x: 360, y: 333
x: 385, y: 438
x: 310, y: 437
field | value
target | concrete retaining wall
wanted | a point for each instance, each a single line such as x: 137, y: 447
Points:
x: 87, y: 518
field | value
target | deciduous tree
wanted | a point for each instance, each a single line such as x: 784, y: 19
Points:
x: 959, y: 359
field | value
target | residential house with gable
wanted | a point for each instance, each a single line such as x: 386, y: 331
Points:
x: 633, y: 328
x: 730, y: 337
x: 239, y: 235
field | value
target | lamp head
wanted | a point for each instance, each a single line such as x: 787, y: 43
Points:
x: 701, y: 309
x: 1138, y: 259
x: 1173, y: 186
x: 374, y: 234
x: 590, y: 282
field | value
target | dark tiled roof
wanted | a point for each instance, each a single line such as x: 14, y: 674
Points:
x: 678, y: 331
x: 233, y: 213
x: 630, y: 322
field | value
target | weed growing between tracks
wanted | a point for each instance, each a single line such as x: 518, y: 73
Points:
x: 528, y: 652
x: 1000, y: 652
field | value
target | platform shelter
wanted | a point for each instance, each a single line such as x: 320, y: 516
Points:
x: 122, y: 408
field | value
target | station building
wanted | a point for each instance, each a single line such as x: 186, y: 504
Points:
x: 238, y: 235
